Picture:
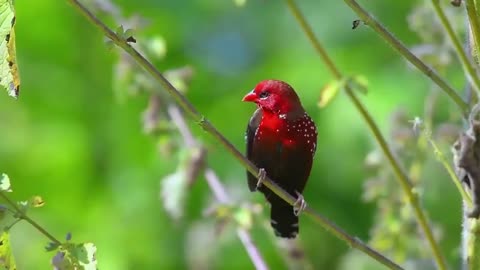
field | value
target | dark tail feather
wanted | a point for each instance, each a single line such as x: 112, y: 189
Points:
x: 284, y: 222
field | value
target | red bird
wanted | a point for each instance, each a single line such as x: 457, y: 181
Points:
x: 281, y: 141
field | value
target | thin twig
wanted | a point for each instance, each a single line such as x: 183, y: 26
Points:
x: 462, y: 56
x: 399, y: 172
x: 216, y: 187
x: 208, y: 127
x: 400, y: 48
x: 22, y: 215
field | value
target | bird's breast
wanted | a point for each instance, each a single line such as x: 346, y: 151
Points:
x: 282, y: 133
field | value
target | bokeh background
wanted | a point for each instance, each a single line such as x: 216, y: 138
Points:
x: 70, y: 139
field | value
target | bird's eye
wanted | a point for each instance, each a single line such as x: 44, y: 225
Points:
x: 264, y: 94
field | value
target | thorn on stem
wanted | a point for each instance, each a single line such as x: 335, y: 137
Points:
x: 131, y: 39
x: 356, y: 23
x: 456, y: 3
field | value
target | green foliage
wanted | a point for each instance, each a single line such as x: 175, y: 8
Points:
x: 70, y: 140
x: 75, y: 256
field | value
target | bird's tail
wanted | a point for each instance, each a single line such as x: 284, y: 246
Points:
x: 284, y: 222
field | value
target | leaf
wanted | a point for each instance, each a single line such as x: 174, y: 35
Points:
x: 157, y: 46
x: 5, y: 183
x: 75, y: 256
x: 7, y: 261
x: 360, y: 83
x: 119, y: 31
x: 174, y: 187
x: 173, y: 192
x: 329, y: 92
x: 126, y: 35
x: 84, y: 255
x: 243, y: 216
x: 51, y: 246
x: 357, y: 82
x: 240, y: 3
x: 9, y: 77
x: 37, y: 201
x: 180, y: 77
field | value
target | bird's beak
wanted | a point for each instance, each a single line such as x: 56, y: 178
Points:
x: 250, y: 97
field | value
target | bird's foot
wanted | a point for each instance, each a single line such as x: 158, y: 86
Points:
x: 261, y: 177
x: 299, y: 205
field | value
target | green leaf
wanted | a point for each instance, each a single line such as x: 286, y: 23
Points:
x: 359, y: 83
x: 243, y: 216
x: 5, y: 183
x: 119, y: 31
x: 51, y: 246
x: 7, y: 261
x: 240, y: 3
x: 84, y: 255
x: 75, y: 256
x: 9, y: 76
x: 157, y: 46
x: 126, y: 35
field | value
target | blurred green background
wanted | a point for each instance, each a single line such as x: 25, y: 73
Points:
x: 68, y: 139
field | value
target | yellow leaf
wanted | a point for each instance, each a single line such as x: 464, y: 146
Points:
x: 7, y: 260
x: 37, y: 201
x: 329, y: 92
x: 9, y: 76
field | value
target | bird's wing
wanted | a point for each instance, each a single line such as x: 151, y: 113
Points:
x: 250, y: 135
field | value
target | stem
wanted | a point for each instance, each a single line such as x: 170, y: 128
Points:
x: 400, y: 48
x: 22, y: 215
x: 399, y: 173
x: 446, y: 164
x: 472, y: 227
x: 217, y: 188
x: 208, y: 127
x: 472, y: 12
x: 462, y: 56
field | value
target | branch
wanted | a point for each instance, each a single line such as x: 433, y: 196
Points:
x: 401, y: 176
x: 21, y: 215
x: 216, y: 187
x: 208, y: 127
x: 462, y: 56
x: 400, y: 48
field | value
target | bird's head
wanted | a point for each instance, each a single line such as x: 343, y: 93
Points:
x: 275, y: 96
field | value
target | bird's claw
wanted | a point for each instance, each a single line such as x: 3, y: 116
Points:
x: 299, y: 205
x: 261, y: 177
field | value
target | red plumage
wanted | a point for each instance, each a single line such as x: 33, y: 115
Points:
x: 281, y: 139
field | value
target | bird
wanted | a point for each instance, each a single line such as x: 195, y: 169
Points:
x: 281, y: 140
